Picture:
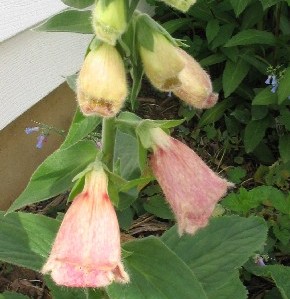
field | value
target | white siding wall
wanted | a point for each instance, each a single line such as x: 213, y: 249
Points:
x: 32, y: 64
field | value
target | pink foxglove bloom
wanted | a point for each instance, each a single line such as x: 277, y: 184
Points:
x: 190, y: 186
x: 196, y: 87
x: 87, y: 251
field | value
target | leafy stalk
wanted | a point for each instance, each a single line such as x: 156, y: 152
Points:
x: 108, y: 141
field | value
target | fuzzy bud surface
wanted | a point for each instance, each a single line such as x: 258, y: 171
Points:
x: 191, y: 188
x: 196, y: 87
x: 182, y: 5
x: 87, y: 251
x: 101, y: 86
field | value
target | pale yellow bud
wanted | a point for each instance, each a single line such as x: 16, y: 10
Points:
x: 162, y: 65
x: 102, y: 86
x: 110, y: 20
x: 196, y: 87
x: 182, y: 5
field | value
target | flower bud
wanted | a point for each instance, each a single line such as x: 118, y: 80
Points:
x: 110, y: 19
x: 196, y: 88
x: 182, y: 5
x: 191, y: 188
x: 102, y: 86
x: 162, y: 65
x: 87, y: 250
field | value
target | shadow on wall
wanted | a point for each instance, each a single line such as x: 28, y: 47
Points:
x: 19, y: 156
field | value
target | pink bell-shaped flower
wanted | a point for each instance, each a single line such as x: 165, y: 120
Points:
x: 87, y: 251
x: 190, y: 186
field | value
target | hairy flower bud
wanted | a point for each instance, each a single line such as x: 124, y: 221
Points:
x: 196, y: 88
x: 190, y: 186
x: 163, y: 64
x: 102, y: 86
x: 87, y: 250
x: 110, y: 20
x: 182, y: 5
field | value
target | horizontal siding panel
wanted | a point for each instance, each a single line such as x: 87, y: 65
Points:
x: 32, y: 65
x: 19, y: 15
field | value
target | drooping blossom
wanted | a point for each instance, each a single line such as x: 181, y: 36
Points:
x: 101, y: 86
x: 87, y: 251
x: 40, y: 139
x: 30, y: 130
x: 196, y: 87
x: 191, y: 188
x: 110, y: 19
x: 182, y: 5
x: 161, y: 61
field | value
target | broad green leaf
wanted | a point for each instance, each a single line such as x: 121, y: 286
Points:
x: 68, y: 21
x: 265, y: 97
x: 25, y: 239
x: 251, y: 37
x: 279, y: 273
x: 239, y: 5
x: 80, y: 4
x: 126, y: 152
x: 80, y: 128
x: 245, y: 200
x: 254, y: 133
x: 173, y: 25
x: 236, y: 174
x: 212, y: 29
x: 252, y: 15
x: 284, y: 118
x: 223, y: 35
x: 281, y: 203
x: 233, y: 288
x: 268, y: 3
x: 156, y: 205
x: 55, y: 174
x: 284, y: 87
x: 156, y: 272
x: 12, y: 295
x: 213, y: 59
x: 284, y: 147
x: 233, y: 75
x: 215, y: 252
x: 215, y: 113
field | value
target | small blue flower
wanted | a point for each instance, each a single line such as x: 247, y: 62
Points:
x: 260, y: 262
x: 274, y: 80
x: 274, y: 88
x: 40, y: 140
x: 31, y: 130
x: 268, y: 81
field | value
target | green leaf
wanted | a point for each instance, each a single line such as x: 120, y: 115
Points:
x: 233, y: 75
x: 223, y: 35
x: 215, y: 113
x: 152, y: 268
x: 212, y: 59
x: 25, y: 239
x: 55, y: 174
x: 216, y: 251
x: 254, y: 133
x: 284, y: 118
x: 80, y: 128
x: 236, y: 174
x: 268, y: 3
x: 175, y: 24
x: 253, y: 14
x: 284, y: 87
x: 284, y: 147
x: 126, y: 151
x: 251, y: 37
x: 212, y: 29
x: 239, y: 5
x: 68, y: 21
x: 156, y: 205
x: 281, y: 202
x: 265, y: 97
x: 12, y: 295
x: 279, y: 273
x: 233, y: 288
x: 79, y: 4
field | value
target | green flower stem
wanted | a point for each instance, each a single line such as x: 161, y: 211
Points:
x: 108, y: 141
x: 133, y: 6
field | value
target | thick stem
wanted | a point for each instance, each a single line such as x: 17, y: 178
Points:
x: 108, y: 141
